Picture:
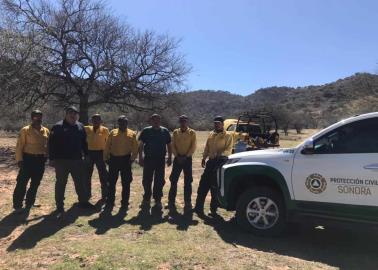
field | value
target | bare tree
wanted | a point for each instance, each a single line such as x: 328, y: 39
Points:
x: 298, y: 122
x: 83, y: 55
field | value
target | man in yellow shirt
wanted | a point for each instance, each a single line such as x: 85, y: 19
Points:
x: 218, y: 148
x: 120, y: 152
x: 31, y: 152
x: 183, y: 147
x: 97, y: 135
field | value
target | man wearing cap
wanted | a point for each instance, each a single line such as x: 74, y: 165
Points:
x: 120, y: 152
x: 154, y: 142
x: 67, y: 148
x: 218, y: 147
x: 97, y: 135
x: 31, y: 152
x: 183, y: 147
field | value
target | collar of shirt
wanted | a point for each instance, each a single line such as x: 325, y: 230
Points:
x: 40, y: 131
x: 127, y: 132
x: 222, y: 133
x: 186, y: 131
x: 98, y: 130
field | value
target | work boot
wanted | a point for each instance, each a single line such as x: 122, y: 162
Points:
x: 124, y: 207
x: 101, y: 202
x: 213, y: 213
x: 86, y: 205
x: 199, y: 211
x: 59, y: 212
x: 18, y: 210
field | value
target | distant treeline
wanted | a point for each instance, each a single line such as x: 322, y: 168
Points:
x: 303, y: 107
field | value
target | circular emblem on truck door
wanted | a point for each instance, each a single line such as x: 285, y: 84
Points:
x: 316, y: 183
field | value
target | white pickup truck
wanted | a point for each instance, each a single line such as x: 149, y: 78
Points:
x: 332, y: 175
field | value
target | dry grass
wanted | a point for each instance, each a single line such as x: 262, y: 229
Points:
x: 163, y: 240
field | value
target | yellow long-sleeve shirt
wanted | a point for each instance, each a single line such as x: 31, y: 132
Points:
x: 121, y: 144
x: 218, y: 144
x: 96, y: 139
x: 184, y: 143
x: 32, y: 141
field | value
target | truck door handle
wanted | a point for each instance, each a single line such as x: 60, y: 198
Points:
x: 371, y: 166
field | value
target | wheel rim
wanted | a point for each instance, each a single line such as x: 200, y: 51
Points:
x: 262, y: 213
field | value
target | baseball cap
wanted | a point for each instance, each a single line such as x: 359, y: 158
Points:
x: 72, y: 108
x: 218, y: 119
x: 36, y: 112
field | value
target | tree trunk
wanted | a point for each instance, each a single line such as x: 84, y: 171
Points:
x: 84, y: 110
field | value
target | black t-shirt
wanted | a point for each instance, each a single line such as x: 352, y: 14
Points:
x: 155, y: 141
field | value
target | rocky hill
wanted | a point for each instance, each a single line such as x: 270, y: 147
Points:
x: 325, y: 103
x: 311, y: 106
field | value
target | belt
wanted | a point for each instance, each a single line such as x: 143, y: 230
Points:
x: 219, y: 158
x: 34, y: 155
x: 125, y: 156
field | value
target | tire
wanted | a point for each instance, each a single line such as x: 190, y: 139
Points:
x: 261, y: 221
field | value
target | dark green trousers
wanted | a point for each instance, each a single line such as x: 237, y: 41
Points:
x: 177, y: 168
x: 153, y: 171
x: 96, y: 158
x: 119, y: 165
x: 33, y: 167
x: 208, y: 182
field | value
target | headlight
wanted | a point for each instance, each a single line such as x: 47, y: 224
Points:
x: 232, y: 160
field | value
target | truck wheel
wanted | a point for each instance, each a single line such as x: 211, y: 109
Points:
x: 261, y: 210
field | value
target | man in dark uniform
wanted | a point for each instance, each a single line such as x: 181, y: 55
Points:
x: 31, y: 152
x: 155, y: 140
x: 67, y: 147
x: 218, y: 148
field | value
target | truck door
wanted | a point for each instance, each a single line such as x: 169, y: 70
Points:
x: 343, y: 168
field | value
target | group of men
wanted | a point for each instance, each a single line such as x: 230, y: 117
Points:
x: 74, y: 149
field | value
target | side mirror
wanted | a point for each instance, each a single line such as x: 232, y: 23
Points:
x: 308, y: 148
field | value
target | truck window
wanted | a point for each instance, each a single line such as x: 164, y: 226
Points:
x: 231, y: 127
x: 356, y: 137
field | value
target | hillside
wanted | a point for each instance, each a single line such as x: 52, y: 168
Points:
x: 351, y: 95
x: 313, y: 106
x: 326, y: 103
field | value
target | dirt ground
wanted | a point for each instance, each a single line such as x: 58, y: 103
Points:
x: 161, y: 240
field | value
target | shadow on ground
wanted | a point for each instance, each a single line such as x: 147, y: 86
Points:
x: 345, y: 247
x: 182, y: 221
x: 47, y: 227
x: 351, y: 247
x: 107, y: 221
x: 148, y: 217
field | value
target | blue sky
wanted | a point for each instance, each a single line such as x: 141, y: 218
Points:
x: 242, y: 45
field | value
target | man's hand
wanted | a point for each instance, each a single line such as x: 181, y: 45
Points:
x: 169, y: 161
x: 141, y: 161
x: 203, y: 163
x: 52, y: 163
x: 20, y: 163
